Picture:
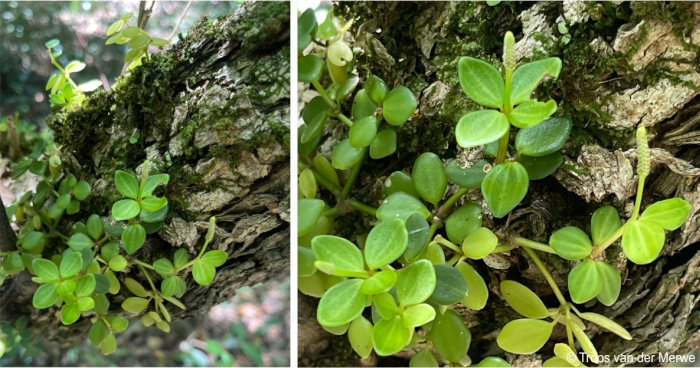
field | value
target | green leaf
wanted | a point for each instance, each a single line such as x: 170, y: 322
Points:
x: 136, y: 288
x: 131, y: 31
x: 114, y: 284
x: 102, y: 284
x: 347, y: 88
x: 109, y: 344
x: 310, y: 68
x: 45, y: 296
x: 118, y: 263
x: 79, y: 241
x: 32, y: 240
x: 66, y: 287
x: 429, y: 177
x: 214, y: 257
x: 360, y: 336
x: 399, y: 104
x: 308, y: 210
x: 52, y: 43
x: 504, y: 187
x: 416, y: 283
x: 85, y: 304
x: 306, y: 261
x: 450, y: 286
x: 642, y: 241
x: 133, y: 238
x: 325, y: 169
x: 433, y: 253
x: 153, y: 217
x: 568, y: 355
x: 607, y: 324
x: 524, y: 336
x: 418, y: 231
x: 315, y: 116
x: 306, y: 29
x: 307, y: 183
x: 152, y: 183
x: 470, y: 178
x: 544, y: 138
x: 463, y: 221
x: 126, y: 184
x: 380, y: 282
x: 399, y: 181
x: 85, y: 285
x: 481, y: 127
x: 82, y: 190
x: 376, y: 89
x: 203, y: 273
x: 383, y: 145
x: 401, y: 205
x: 523, y: 300
x: 135, y: 305
x: 527, y: 76
x: 341, y: 304
x: 63, y: 201
x: 118, y: 323
x: 493, y: 362
x: 12, y: 263
x: 530, y: 113
x: 390, y: 336
x: 70, y: 313
x: 481, y: 82
x: 450, y: 336
x: 612, y: 283
x: 571, y: 243
x: 125, y: 209
x: 604, y: 223
x: 385, y: 243
x: 362, y: 106
x: 585, y: 282
x: 173, y: 286
x: 541, y: 167
x: 585, y: 342
x: 385, y: 304
x: 95, y: 227
x: 153, y: 204
x: 362, y: 133
x: 344, y: 156
x: 114, y: 28
x: 669, y: 213
x: 98, y: 332
x: 139, y: 41
x: 339, y: 252
x: 479, y: 243
x: 163, y: 267
x: 477, y: 291
x: 181, y: 258
x: 71, y: 264
x: 424, y: 358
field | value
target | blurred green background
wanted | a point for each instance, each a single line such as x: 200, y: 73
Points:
x: 252, y: 329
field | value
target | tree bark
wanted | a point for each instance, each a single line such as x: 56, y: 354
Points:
x: 213, y: 113
x: 626, y: 64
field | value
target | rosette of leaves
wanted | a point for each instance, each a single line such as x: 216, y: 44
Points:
x: 143, y: 212
x: 137, y: 40
x: 64, y: 91
x: 528, y: 335
x: 642, y: 239
x: 376, y: 109
x: 508, y: 103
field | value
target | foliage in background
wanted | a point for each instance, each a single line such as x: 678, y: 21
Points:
x: 399, y: 268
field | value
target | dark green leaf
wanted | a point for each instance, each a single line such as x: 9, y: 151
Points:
x: 585, y: 282
x: 470, y: 178
x: 399, y: 181
x: 399, y: 104
x: 450, y: 336
x: 450, y: 286
x: 429, y: 177
x: 544, y: 138
x: 385, y: 243
x: 310, y: 68
x: 541, y: 167
x: 133, y: 238
x: 362, y: 106
x: 315, y: 116
x: 383, y: 145
x: 418, y: 231
x: 362, y: 133
x: 376, y: 88
x: 504, y: 187
x: 462, y: 222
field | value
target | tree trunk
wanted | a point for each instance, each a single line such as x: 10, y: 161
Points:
x: 213, y: 113
x: 626, y: 64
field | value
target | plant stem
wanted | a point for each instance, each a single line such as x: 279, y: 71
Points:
x: 569, y: 335
x: 455, y: 258
x: 546, y: 274
x: 532, y: 244
x: 444, y: 210
x: 353, y: 176
x: 332, y: 212
x: 362, y: 207
x: 324, y: 94
x: 506, y: 91
x: 142, y: 264
x: 149, y: 279
x: 638, y: 199
x: 442, y: 241
x: 600, y: 248
x: 433, y: 229
x: 345, y: 120
x: 503, y: 146
x: 502, y: 248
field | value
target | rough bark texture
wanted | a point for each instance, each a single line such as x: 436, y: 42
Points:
x: 626, y: 64
x: 213, y: 112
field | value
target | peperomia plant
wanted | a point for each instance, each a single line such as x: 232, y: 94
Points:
x: 76, y: 257
x: 64, y: 91
x: 413, y: 263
